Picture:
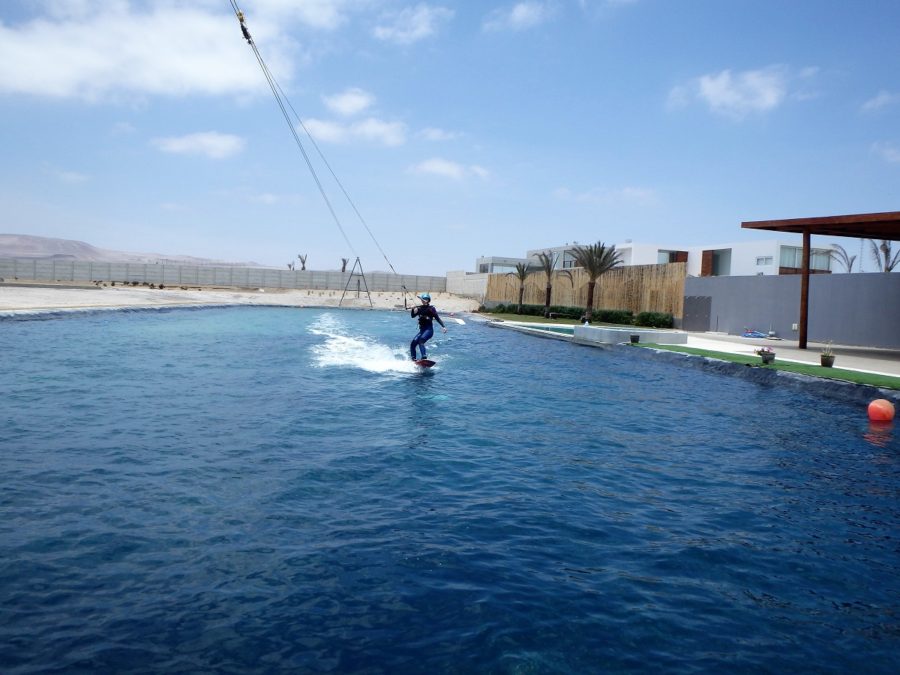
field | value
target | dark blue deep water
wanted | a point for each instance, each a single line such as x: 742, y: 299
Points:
x: 274, y: 490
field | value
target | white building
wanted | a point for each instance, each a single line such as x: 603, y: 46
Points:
x: 738, y: 259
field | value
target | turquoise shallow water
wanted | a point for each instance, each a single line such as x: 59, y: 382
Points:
x: 265, y: 490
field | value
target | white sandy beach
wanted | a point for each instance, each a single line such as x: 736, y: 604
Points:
x: 15, y: 299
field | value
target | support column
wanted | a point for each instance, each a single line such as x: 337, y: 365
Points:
x: 804, y: 290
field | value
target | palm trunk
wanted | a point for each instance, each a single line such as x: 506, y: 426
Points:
x: 590, y: 299
x: 547, y: 300
x: 521, y: 295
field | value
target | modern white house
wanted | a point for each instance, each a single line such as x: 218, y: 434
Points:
x: 737, y: 259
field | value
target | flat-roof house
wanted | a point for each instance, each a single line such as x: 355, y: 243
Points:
x: 735, y: 259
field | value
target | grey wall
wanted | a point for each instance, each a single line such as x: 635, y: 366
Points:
x: 467, y: 284
x: 196, y: 275
x: 848, y: 309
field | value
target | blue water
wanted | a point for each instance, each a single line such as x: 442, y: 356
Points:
x: 273, y: 490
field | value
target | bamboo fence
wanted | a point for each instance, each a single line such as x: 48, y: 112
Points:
x: 639, y: 288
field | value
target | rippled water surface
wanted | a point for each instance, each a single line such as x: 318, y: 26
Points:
x: 265, y: 490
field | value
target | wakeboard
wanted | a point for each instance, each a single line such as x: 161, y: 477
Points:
x: 424, y: 363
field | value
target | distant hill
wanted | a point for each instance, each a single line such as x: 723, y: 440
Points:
x: 49, y: 248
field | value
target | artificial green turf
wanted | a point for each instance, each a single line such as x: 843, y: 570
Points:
x: 883, y: 381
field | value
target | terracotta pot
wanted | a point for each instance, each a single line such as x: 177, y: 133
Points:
x: 827, y: 360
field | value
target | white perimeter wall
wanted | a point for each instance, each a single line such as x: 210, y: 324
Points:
x: 468, y: 285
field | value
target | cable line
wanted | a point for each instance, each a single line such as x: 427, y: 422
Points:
x: 340, y: 185
x: 283, y: 104
x: 273, y: 85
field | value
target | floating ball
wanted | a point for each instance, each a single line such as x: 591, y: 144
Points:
x: 881, y: 410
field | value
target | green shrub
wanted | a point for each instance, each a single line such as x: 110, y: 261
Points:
x: 564, y: 312
x: 654, y: 320
x: 528, y: 310
x: 620, y: 316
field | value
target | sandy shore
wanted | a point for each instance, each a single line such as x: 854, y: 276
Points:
x: 22, y: 299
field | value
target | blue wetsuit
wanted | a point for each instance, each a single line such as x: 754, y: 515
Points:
x: 427, y: 315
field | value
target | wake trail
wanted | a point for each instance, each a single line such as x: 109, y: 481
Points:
x: 340, y: 349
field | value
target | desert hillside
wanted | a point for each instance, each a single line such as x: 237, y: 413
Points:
x: 28, y: 246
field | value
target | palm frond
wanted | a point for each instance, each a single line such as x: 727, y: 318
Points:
x: 597, y: 259
x: 521, y: 273
x: 881, y: 253
x: 839, y: 254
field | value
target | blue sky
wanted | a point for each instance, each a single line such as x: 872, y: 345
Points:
x: 459, y: 129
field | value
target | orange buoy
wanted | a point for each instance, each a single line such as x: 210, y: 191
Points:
x: 881, y: 410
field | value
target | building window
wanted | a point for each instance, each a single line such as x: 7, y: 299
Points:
x: 764, y: 260
x: 819, y: 259
x: 792, y: 256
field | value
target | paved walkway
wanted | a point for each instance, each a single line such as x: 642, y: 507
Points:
x: 881, y: 361
x: 863, y: 359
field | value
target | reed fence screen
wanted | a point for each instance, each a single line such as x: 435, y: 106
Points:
x: 639, y: 288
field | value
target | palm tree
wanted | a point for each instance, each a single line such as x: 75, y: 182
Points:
x: 548, y: 261
x: 521, y: 274
x: 839, y: 253
x: 596, y: 259
x: 344, y: 262
x: 882, y: 255
x: 302, y: 258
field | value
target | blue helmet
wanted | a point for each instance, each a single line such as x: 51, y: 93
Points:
x: 425, y: 296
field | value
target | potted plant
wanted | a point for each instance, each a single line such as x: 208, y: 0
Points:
x: 827, y: 355
x: 767, y: 354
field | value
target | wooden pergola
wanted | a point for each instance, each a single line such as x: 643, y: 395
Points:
x: 862, y: 226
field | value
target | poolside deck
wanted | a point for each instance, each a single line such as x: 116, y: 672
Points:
x: 861, y: 359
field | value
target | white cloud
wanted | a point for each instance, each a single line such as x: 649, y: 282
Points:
x: 619, y: 195
x: 122, y: 129
x: 370, y: 129
x: 327, y: 131
x: 72, y: 177
x: 679, y: 97
x: 434, y: 134
x: 91, y: 50
x: 889, y: 152
x: 349, y: 102
x: 412, y: 24
x: 520, y: 16
x: 738, y: 94
x: 266, y: 198
x: 211, y: 144
x: 880, y: 100
x: 388, y: 133
x: 747, y: 92
x: 443, y: 167
x: 321, y: 14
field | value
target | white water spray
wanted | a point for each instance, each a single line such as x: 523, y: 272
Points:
x: 343, y: 350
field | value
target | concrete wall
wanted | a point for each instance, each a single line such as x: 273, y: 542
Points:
x: 848, y: 309
x: 467, y: 284
x: 196, y: 275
